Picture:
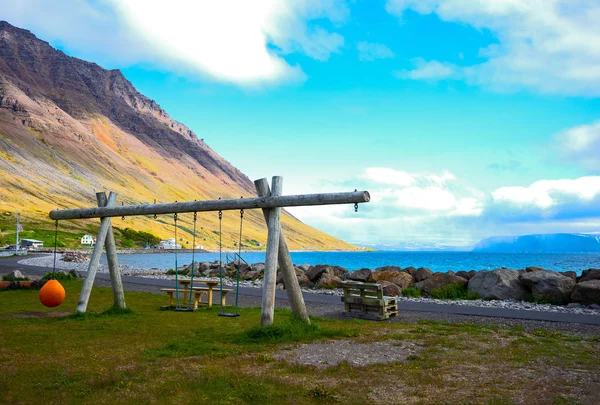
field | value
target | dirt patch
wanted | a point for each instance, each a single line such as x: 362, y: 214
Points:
x: 328, y: 354
x: 37, y: 315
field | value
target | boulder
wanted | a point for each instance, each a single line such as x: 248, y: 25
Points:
x: 339, y: 271
x: 548, y: 285
x: 463, y: 274
x: 260, y: 267
x: 533, y: 269
x: 359, y: 275
x: 329, y: 280
x: 388, y: 268
x: 471, y: 274
x: 498, y: 284
x: 401, y: 279
x: 589, y: 275
x: 304, y: 267
x: 315, y: 272
x: 439, y: 280
x: 421, y: 274
x: 570, y: 274
x: 302, y: 279
x: 204, y: 266
x: 389, y: 289
x: 16, y: 274
x: 586, y: 292
x: 75, y: 257
x: 410, y: 270
x: 249, y: 274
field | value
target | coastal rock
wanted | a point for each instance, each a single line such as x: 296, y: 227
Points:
x: 360, y: 275
x: 302, y: 279
x: 439, y: 280
x: 589, y: 275
x: 304, y: 267
x: 401, y: 279
x: 498, y: 284
x: 410, y: 270
x: 548, y: 285
x: 249, y: 274
x: 586, y: 292
x: 570, y: 274
x: 421, y: 274
x: 315, y: 272
x: 204, y: 266
x: 466, y: 275
x: 260, y: 267
x: 389, y: 289
x: 339, y: 271
x: 75, y: 257
x: 329, y: 280
x: 16, y: 274
x: 533, y: 269
x: 388, y: 269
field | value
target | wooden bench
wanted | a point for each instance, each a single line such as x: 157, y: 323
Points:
x: 197, y: 294
x: 366, y: 301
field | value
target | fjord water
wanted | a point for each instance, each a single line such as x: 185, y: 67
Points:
x: 436, y: 261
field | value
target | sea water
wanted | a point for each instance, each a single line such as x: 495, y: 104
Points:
x: 435, y: 261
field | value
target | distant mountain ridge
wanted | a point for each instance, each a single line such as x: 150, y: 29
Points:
x: 541, y: 243
x: 69, y: 128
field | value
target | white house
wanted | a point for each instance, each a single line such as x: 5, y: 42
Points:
x: 88, y: 240
x: 169, y: 244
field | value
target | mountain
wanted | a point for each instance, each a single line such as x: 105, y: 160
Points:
x: 69, y: 127
x: 551, y: 243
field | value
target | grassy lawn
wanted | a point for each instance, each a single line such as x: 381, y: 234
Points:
x: 158, y: 357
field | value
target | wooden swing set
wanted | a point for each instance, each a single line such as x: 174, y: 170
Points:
x: 269, y: 200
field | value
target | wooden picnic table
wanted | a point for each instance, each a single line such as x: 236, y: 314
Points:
x: 211, y: 284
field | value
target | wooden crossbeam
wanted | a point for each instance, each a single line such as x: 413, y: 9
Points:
x: 214, y: 205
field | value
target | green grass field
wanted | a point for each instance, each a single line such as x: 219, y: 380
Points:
x: 152, y: 356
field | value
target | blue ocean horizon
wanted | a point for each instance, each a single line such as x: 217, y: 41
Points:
x: 435, y: 261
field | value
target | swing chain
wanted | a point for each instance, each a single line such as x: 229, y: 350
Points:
x: 355, y: 205
x: 241, y: 214
x: 220, y: 214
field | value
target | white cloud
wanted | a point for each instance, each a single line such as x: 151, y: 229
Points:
x: 439, y: 208
x: 370, y: 51
x: 546, y: 194
x: 429, y: 70
x: 550, y: 46
x: 581, y: 144
x: 236, y: 41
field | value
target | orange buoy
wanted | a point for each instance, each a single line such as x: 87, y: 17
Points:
x: 52, y: 294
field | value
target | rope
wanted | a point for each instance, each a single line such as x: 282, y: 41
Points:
x: 176, y: 266
x: 193, y: 254
x: 55, y: 243
x: 237, y: 288
x: 221, y: 257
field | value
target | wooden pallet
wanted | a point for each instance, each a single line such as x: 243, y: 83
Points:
x: 366, y: 301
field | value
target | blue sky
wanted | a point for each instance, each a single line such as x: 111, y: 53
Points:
x: 464, y: 119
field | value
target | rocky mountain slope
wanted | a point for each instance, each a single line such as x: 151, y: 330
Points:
x: 69, y: 127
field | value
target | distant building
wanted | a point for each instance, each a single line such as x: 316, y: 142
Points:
x: 31, y: 244
x: 169, y: 244
x: 88, y: 240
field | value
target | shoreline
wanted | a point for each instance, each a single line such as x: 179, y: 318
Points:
x: 154, y: 273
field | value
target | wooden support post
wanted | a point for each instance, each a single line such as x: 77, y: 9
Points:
x: 112, y: 259
x: 285, y: 261
x: 270, y: 277
x: 95, y: 259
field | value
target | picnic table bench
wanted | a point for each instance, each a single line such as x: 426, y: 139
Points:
x: 197, y: 293
x: 366, y: 301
